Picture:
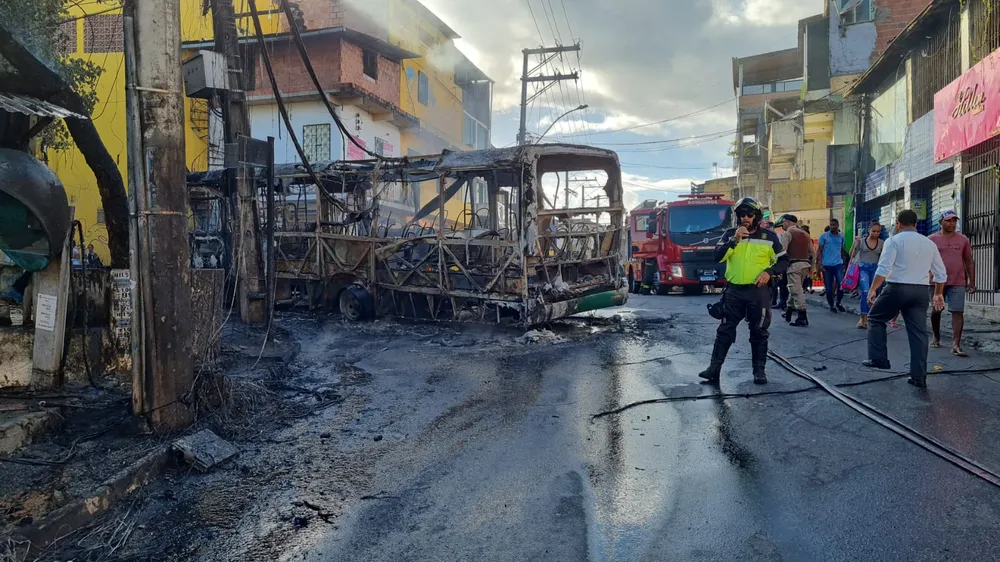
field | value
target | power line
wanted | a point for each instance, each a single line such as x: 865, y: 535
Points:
x: 662, y: 121
x: 677, y: 140
x: 537, y: 28
x: 666, y: 167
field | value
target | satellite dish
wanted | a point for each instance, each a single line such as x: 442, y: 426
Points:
x: 34, y: 212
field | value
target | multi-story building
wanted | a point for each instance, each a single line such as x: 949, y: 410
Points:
x: 390, y: 67
x: 767, y: 88
x: 802, y: 130
x: 930, y: 143
x: 841, y: 45
x: 722, y: 186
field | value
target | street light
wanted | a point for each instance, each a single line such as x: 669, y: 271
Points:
x: 580, y: 108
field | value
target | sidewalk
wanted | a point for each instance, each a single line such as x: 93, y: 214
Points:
x: 979, y: 334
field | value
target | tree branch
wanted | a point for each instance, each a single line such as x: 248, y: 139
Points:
x: 41, y: 79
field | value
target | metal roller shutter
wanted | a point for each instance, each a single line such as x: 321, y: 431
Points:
x: 942, y: 198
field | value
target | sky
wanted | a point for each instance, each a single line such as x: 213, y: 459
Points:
x: 641, y: 62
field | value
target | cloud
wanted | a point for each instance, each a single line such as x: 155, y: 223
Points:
x: 638, y: 188
x: 641, y: 60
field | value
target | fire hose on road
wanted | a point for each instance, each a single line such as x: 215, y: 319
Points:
x: 922, y: 440
x: 916, y: 437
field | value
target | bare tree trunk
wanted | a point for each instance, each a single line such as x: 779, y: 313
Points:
x: 39, y: 79
x: 109, y: 181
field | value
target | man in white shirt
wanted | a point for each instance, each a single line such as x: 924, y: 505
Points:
x: 908, y: 260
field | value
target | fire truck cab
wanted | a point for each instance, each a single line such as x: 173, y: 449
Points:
x: 675, y: 243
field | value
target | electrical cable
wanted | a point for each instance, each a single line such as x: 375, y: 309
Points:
x: 83, y: 266
x: 300, y: 45
x: 662, y: 121
x: 76, y: 226
x: 287, y: 119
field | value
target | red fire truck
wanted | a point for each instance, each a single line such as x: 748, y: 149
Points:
x: 674, y: 243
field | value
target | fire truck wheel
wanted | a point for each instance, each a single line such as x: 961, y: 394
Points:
x: 356, y: 303
x: 693, y: 290
x: 663, y: 290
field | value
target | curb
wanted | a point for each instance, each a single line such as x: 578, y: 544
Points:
x: 22, y: 430
x: 36, y: 538
x: 819, y: 301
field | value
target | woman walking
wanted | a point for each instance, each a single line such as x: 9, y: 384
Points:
x: 866, y: 254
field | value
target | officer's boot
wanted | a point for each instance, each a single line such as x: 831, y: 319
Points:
x: 758, y: 352
x: 801, y: 320
x: 714, y: 370
x: 788, y: 314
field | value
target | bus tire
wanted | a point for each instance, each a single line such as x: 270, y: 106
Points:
x: 356, y: 303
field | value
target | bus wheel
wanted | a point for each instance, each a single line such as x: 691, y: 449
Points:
x: 356, y: 303
x: 694, y: 290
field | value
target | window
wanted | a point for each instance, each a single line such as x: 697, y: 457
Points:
x: 773, y: 87
x: 640, y: 222
x: 104, y: 34
x: 316, y: 142
x: 790, y: 86
x: 425, y: 37
x: 482, y: 137
x: 469, y: 131
x: 855, y: 11
x: 423, y: 89
x: 379, y: 146
x: 888, y: 123
x: 474, y: 133
x: 370, y: 61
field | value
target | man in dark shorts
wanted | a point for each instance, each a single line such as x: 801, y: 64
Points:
x: 956, y: 253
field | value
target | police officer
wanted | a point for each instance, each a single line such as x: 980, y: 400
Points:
x: 753, y: 256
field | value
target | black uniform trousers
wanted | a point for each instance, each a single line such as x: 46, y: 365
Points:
x: 750, y: 303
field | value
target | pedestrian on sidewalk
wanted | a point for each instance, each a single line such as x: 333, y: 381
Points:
x: 832, y: 255
x: 801, y: 259
x: 907, y: 263
x: 956, y: 253
x: 752, y: 255
x: 866, y: 254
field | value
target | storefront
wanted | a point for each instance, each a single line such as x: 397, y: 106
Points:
x: 966, y: 125
x: 882, y: 198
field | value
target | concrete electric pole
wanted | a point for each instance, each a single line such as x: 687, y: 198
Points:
x: 246, y: 250
x: 156, y: 156
x: 527, y: 77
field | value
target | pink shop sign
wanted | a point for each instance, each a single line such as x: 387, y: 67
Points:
x: 967, y: 111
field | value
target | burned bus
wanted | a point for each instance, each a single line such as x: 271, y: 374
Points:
x: 501, y: 235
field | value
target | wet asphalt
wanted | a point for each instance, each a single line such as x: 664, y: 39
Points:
x: 487, y: 450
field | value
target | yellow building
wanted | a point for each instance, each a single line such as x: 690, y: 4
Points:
x: 447, y: 95
x: 94, y: 32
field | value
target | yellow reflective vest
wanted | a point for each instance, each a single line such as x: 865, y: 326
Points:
x: 759, y: 252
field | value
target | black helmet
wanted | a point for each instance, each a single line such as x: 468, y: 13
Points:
x: 752, y: 205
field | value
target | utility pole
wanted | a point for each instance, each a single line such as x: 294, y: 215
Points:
x: 527, y: 77
x: 156, y: 157
x: 583, y: 188
x: 246, y: 250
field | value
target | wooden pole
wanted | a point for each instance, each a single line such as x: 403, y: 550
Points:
x: 136, y: 186
x: 246, y: 241
x: 164, y: 205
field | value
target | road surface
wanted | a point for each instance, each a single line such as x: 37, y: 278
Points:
x: 467, y: 444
